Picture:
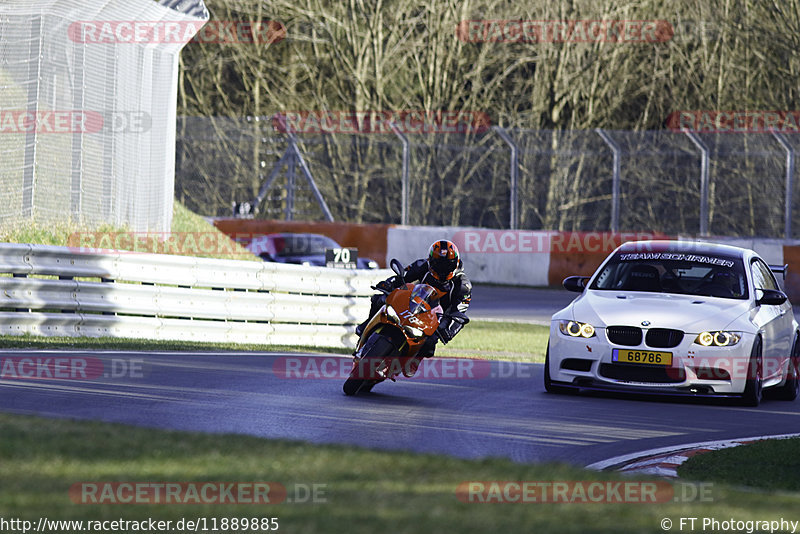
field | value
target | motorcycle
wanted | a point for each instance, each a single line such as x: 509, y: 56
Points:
x: 393, y: 337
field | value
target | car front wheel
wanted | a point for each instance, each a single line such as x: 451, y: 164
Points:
x: 754, y: 387
x: 549, y: 386
x: 791, y: 388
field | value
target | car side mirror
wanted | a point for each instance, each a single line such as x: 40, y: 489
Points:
x: 771, y: 297
x: 575, y: 283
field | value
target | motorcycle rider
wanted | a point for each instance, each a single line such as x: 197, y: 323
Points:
x: 444, y: 270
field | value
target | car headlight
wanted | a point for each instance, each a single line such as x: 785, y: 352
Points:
x: 717, y: 339
x: 576, y: 329
x: 372, y: 264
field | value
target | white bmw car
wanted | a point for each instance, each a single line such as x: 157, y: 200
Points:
x: 677, y: 317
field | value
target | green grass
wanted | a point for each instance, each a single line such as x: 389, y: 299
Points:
x: 28, y: 341
x: 57, y: 234
x: 479, y: 339
x: 366, y: 491
x: 499, y: 341
x: 769, y: 465
x: 68, y: 234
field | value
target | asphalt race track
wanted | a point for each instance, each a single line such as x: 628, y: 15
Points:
x: 484, y: 409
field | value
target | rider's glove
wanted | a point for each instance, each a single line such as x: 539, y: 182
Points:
x: 385, y: 285
x: 450, y: 325
x: 444, y: 332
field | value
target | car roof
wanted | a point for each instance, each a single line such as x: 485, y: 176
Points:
x: 696, y: 247
x: 294, y: 234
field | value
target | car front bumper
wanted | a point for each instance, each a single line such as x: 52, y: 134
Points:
x: 695, y: 369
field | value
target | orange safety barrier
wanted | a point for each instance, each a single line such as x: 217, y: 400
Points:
x: 791, y: 256
x: 369, y: 239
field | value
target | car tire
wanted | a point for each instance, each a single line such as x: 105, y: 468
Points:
x: 549, y: 386
x: 791, y: 388
x: 754, y: 386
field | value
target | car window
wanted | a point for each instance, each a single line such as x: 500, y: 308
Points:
x: 303, y: 244
x: 674, y: 272
x: 762, y: 276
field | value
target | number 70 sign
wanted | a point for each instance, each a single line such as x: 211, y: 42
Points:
x: 341, y: 258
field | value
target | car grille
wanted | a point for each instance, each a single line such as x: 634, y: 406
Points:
x: 642, y: 373
x: 624, y: 335
x: 663, y: 338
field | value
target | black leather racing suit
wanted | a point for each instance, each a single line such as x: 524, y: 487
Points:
x: 458, y: 293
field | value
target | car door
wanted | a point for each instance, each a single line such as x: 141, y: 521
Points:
x: 776, y: 321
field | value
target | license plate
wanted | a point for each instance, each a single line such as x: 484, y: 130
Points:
x: 648, y: 357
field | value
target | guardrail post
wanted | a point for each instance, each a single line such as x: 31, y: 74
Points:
x: 703, y: 181
x: 615, y: 178
x: 513, y: 195
x: 787, y: 215
x: 404, y: 193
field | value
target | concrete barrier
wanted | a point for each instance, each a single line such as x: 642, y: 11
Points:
x: 489, y: 256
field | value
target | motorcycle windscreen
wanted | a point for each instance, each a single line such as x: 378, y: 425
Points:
x: 421, y: 300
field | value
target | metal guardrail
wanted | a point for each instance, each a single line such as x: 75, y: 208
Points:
x: 61, y: 291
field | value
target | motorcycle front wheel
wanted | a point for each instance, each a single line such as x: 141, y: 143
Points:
x: 376, y: 351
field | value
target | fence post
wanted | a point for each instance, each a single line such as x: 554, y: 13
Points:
x: 290, y: 182
x: 787, y: 216
x: 291, y: 157
x: 404, y: 183
x: 615, y: 178
x: 513, y: 195
x: 703, y: 181
x: 29, y: 173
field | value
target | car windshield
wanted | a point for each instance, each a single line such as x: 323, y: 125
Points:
x: 303, y: 244
x: 674, y: 272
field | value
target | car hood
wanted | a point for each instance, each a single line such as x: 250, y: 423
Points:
x: 690, y: 313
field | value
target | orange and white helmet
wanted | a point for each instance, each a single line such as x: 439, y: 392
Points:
x: 443, y: 260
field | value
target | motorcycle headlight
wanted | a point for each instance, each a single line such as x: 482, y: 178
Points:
x: 576, y: 329
x: 718, y: 339
x: 413, y: 331
x: 392, y: 314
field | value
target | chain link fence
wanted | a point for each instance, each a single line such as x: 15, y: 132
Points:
x: 564, y: 180
x: 87, y: 124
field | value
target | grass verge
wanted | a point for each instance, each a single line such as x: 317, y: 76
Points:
x: 184, y: 223
x: 484, y: 340
x: 364, y: 490
x: 29, y: 341
x: 491, y: 340
x: 772, y: 464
